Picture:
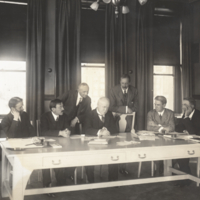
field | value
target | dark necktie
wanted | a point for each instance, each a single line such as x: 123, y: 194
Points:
x: 57, y: 119
x: 125, y: 98
x: 102, y: 118
x: 160, y: 117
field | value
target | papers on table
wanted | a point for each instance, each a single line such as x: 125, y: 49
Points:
x: 98, y: 141
x: 146, y: 135
x: 20, y: 144
x: 125, y: 143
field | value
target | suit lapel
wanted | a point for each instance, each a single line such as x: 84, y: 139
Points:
x: 75, y: 95
x: 120, y: 94
x: 100, y: 123
x: 130, y: 95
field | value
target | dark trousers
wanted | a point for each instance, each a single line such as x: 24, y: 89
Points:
x: 60, y: 176
x: 184, y: 165
x: 112, y: 173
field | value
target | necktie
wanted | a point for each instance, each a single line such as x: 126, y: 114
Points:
x: 80, y: 100
x: 57, y: 119
x: 125, y: 98
x: 160, y: 117
x: 102, y: 118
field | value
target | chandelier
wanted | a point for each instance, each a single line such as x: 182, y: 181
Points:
x: 116, y: 4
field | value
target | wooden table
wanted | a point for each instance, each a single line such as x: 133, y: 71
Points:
x: 76, y: 152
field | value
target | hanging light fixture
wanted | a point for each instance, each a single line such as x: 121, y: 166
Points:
x: 116, y: 4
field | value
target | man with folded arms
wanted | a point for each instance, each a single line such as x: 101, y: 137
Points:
x: 100, y: 122
x: 189, y: 123
x: 160, y: 120
x: 16, y: 124
x: 55, y: 123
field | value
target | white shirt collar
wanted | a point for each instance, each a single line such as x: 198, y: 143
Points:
x: 161, y: 113
x: 18, y: 118
x: 99, y: 114
x: 54, y: 115
x: 78, y: 98
x: 191, y: 114
x: 124, y: 89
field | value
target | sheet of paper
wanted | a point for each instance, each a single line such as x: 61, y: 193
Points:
x: 125, y: 143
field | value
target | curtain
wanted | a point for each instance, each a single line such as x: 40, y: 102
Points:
x: 68, y: 65
x: 186, y: 51
x: 115, y: 46
x: 35, y: 58
x: 144, y: 62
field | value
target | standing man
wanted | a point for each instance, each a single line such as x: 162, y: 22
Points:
x: 100, y: 122
x: 190, y: 124
x: 55, y: 123
x: 160, y: 120
x: 16, y: 124
x: 77, y: 104
x: 124, y: 100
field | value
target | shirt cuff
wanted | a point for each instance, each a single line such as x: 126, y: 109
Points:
x: 98, y: 133
x: 160, y: 129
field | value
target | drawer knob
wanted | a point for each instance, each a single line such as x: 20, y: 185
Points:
x: 191, y: 153
x: 56, y: 163
x: 142, y: 157
x: 115, y: 159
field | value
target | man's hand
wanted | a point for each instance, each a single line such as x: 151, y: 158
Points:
x: 15, y: 114
x: 166, y: 129
x: 104, y: 132
x: 129, y: 111
x: 64, y: 133
x: 73, y: 122
x: 186, y: 132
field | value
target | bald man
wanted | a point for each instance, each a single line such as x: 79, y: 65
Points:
x: 100, y: 122
x: 77, y: 104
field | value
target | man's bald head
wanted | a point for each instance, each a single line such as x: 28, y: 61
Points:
x: 103, y: 105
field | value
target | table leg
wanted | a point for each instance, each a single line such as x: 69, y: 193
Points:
x: 21, y: 175
x: 198, y: 168
x: 167, y: 164
x: 4, y: 175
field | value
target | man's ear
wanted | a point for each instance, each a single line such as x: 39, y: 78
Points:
x: 12, y: 109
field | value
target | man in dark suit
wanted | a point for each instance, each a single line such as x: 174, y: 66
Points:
x: 160, y: 120
x: 16, y: 124
x: 101, y: 122
x: 77, y: 104
x: 124, y: 100
x: 190, y: 124
x: 55, y: 123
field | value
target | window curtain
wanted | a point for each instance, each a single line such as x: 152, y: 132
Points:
x: 35, y: 58
x: 115, y: 47
x: 144, y: 61
x: 186, y: 50
x: 68, y: 65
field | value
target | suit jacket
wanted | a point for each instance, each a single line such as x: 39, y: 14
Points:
x: 69, y: 101
x: 93, y: 123
x: 117, y: 99
x: 50, y: 127
x: 17, y: 129
x: 153, y: 120
x: 192, y: 126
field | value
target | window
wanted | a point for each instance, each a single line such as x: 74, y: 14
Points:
x: 163, y: 81
x: 94, y: 75
x: 12, y: 83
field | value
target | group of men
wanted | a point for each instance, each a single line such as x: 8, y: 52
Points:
x: 73, y: 108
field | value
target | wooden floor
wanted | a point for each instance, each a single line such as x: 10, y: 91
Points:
x: 155, y: 191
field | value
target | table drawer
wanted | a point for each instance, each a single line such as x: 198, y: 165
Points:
x: 85, y: 159
x: 165, y: 153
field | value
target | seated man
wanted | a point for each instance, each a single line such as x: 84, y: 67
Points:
x: 160, y: 120
x: 100, y: 122
x: 189, y: 123
x: 16, y: 124
x: 55, y: 123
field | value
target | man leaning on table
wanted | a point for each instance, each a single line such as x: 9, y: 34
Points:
x: 190, y: 124
x: 55, y: 123
x: 16, y: 124
x: 124, y: 100
x: 100, y: 122
x: 160, y: 120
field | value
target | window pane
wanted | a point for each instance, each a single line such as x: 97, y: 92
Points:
x: 95, y: 78
x: 12, y: 65
x: 164, y: 85
x: 163, y: 69
x: 12, y: 84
